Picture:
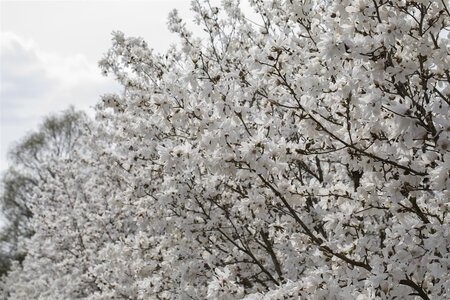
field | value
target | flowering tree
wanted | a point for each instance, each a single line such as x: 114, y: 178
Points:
x: 305, y: 154
x: 32, y: 158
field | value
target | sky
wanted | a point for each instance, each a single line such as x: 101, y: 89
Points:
x: 49, y: 52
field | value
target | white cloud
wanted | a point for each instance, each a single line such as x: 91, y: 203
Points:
x: 34, y: 83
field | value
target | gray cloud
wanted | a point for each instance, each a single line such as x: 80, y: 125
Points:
x: 22, y: 74
x: 35, y: 83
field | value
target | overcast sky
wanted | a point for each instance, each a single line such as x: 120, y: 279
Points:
x: 49, y: 53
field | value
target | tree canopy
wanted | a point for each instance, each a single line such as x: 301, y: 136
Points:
x: 31, y: 164
x: 304, y: 154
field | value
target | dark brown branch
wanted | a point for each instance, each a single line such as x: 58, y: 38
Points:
x: 269, y: 249
x: 416, y: 287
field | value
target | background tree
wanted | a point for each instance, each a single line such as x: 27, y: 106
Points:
x: 31, y: 163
